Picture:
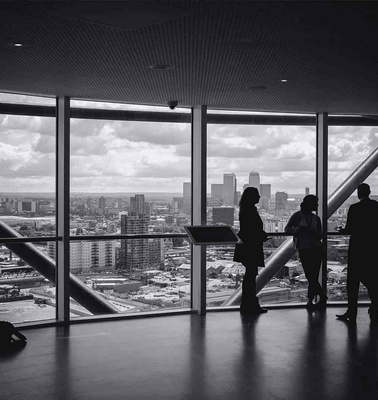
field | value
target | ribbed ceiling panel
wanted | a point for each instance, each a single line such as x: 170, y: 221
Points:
x: 225, y: 54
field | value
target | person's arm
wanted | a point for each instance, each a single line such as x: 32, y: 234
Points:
x: 292, y: 224
x: 349, y: 224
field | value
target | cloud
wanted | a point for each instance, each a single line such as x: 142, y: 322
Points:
x: 119, y: 156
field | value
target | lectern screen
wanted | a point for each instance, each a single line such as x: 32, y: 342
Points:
x: 217, y: 234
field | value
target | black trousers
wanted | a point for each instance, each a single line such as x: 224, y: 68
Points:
x: 311, y: 260
x: 249, y: 299
x: 355, y: 276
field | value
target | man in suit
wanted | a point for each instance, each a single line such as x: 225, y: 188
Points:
x: 362, y: 253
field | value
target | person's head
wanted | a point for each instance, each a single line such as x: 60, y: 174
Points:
x: 250, y: 196
x: 310, y: 203
x: 363, y: 190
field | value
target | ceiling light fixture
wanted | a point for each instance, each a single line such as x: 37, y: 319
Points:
x: 283, y: 80
x: 18, y: 44
x: 161, y: 67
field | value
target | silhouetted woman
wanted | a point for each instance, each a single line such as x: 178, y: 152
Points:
x: 306, y: 228
x: 250, y: 253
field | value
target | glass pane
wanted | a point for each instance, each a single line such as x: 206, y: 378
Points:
x: 133, y: 275
x: 27, y: 178
x: 281, y: 162
x: 25, y: 292
x: 130, y: 178
x: 349, y: 147
x: 122, y: 106
x: 224, y: 276
x: 25, y: 99
x: 120, y: 168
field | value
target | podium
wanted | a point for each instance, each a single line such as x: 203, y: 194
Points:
x: 212, y: 234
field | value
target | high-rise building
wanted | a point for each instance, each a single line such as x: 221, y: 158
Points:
x: 187, y: 197
x: 177, y: 204
x: 254, y: 180
x: 102, y: 205
x: 88, y: 256
x: 28, y: 206
x: 266, y: 190
x: 156, y: 252
x: 134, y: 252
x: 223, y: 215
x: 229, y: 189
x: 137, y: 204
x: 281, y: 202
x: 216, y: 193
x: 266, y: 194
x: 307, y: 191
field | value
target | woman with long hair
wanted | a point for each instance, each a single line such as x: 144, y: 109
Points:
x: 250, y: 253
x: 306, y: 228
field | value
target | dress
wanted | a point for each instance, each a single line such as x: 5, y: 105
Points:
x: 307, y: 231
x: 250, y: 253
x: 362, y: 262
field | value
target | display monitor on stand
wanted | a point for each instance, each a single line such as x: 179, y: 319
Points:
x: 212, y: 234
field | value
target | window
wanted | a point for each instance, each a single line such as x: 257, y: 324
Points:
x: 280, y: 161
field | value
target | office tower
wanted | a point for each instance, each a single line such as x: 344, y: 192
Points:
x: 254, y: 180
x: 307, y: 191
x: 102, y: 205
x: 137, y: 204
x: 156, y: 252
x: 177, y: 204
x: 281, y: 202
x: 223, y: 215
x: 134, y: 252
x: 88, y: 256
x: 187, y: 197
x: 229, y: 189
x: 28, y: 206
x: 265, y: 193
x: 216, y: 192
x: 266, y: 190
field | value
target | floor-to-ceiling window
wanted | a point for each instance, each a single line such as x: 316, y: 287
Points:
x: 280, y: 160
x: 27, y: 210
x: 349, y: 149
x: 131, y: 177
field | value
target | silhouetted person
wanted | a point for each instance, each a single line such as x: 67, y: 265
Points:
x: 362, y: 252
x: 250, y: 253
x: 306, y: 228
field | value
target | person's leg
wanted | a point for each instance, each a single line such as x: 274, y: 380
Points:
x: 249, y: 301
x: 306, y: 258
x: 353, y: 284
x: 317, y: 287
x: 368, y: 279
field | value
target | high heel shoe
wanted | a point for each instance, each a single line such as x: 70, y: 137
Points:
x: 322, y: 303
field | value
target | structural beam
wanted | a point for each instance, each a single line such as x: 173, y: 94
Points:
x: 63, y: 208
x: 199, y: 170
x: 322, y: 188
x: 80, y: 292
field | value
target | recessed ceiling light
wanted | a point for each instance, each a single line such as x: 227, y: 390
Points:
x: 18, y: 44
x: 283, y: 80
x: 161, y: 67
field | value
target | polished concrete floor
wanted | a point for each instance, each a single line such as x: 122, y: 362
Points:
x: 285, y: 354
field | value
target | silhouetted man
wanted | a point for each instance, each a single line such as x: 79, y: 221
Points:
x: 362, y: 252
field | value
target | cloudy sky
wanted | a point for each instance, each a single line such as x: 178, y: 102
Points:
x: 117, y: 156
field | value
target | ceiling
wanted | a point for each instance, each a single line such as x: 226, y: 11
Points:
x: 223, y: 54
